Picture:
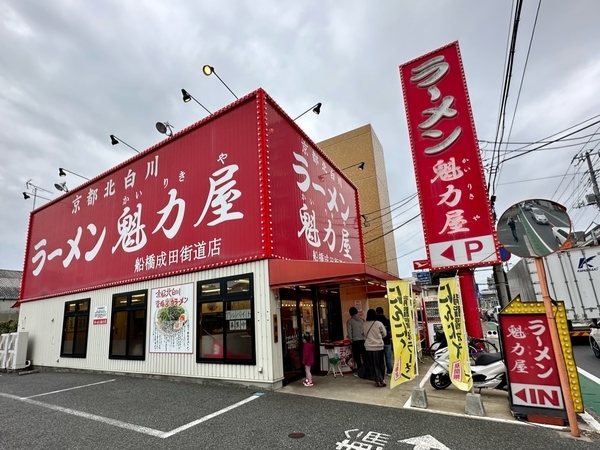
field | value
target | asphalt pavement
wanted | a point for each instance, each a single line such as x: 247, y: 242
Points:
x: 589, y: 375
x: 72, y: 410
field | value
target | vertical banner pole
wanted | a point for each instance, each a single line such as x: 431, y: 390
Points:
x: 560, y: 360
x: 415, y: 335
x: 470, y: 304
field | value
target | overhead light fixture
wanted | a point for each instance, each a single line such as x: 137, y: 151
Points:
x: 209, y: 70
x: 62, y: 172
x: 187, y: 97
x: 115, y: 140
x: 165, y: 128
x: 315, y: 108
x: 61, y: 186
x: 361, y: 166
x: 35, y: 189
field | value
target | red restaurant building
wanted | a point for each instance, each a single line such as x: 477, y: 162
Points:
x: 207, y: 256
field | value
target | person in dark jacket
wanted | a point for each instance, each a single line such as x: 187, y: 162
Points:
x: 354, y: 327
x: 387, y: 340
x: 513, y: 228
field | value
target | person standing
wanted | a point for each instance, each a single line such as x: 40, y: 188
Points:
x: 354, y: 328
x: 387, y: 340
x: 308, y: 358
x: 513, y: 228
x: 374, y: 334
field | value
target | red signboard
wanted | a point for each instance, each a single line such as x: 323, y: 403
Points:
x: 455, y: 209
x: 314, y: 208
x: 192, y: 201
x: 421, y: 264
x: 242, y: 184
x: 530, y: 361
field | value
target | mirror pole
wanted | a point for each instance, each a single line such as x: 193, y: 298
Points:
x: 560, y: 360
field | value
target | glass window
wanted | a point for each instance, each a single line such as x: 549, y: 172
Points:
x: 238, y: 285
x: 226, y: 324
x: 209, y: 289
x: 75, y: 329
x: 128, y: 326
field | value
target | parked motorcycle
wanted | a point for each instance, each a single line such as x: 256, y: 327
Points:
x: 488, y: 372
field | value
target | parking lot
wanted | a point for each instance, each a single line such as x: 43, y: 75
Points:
x: 71, y: 410
x: 80, y: 410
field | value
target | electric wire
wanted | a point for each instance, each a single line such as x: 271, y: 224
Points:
x: 499, y: 169
x: 506, y: 55
x: 506, y: 89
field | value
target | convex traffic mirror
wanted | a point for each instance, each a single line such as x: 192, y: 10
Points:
x: 535, y: 228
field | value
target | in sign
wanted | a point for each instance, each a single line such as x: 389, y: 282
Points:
x: 537, y: 395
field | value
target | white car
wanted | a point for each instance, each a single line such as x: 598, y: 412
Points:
x: 595, y: 341
x: 539, y: 216
x: 561, y: 234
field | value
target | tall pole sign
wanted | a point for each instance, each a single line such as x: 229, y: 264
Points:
x: 455, y: 211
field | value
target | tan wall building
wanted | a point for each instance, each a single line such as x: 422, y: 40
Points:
x: 347, y: 150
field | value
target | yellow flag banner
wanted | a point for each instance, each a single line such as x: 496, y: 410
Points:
x: 403, y: 338
x: 451, y: 315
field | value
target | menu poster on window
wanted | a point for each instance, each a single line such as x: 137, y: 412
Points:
x: 100, y: 315
x: 172, y: 319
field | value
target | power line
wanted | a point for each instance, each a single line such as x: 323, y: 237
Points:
x: 536, y: 179
x: 536, y: 142
x: 506, y: 90
x: 393, y: 229
x: 514, y: 150
x: 548, y: 143
x: 520, y: 86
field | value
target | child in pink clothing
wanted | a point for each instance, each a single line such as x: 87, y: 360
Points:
x: 308, y: 358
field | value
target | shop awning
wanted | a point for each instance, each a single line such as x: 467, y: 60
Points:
x: 285, y: 273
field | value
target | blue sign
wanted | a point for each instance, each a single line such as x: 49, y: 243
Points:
x: 424, y: 278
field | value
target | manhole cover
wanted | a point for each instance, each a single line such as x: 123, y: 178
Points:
x: 296, y: 435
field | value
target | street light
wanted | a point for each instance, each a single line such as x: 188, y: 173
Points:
x: 61, y: 186
x: 62, y: 172
x: 187, y: 97
x: 165, y: 128
x: 115, y: 140
x: 209, y: 70
x: 361, y: 166
x: 315, y: 108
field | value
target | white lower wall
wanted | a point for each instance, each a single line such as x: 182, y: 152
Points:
x: 43, y: 319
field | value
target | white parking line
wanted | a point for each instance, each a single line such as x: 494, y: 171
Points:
x: 210, y: 416
x: 69, y: 389
x: 125, y: 425
x: 586, y: 374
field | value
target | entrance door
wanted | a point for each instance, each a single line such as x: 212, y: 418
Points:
x: 291, y: 328
x: 297, y: 319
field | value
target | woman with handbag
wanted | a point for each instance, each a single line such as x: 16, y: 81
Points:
x: 374, y: 334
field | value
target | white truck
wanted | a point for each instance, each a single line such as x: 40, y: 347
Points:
x: 573, y: 276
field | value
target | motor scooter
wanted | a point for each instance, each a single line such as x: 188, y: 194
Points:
x: 488, y: 372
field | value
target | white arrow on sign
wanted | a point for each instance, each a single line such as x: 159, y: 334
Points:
x: 426, y: 442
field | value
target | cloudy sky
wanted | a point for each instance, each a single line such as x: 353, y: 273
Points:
x: 72, y: 73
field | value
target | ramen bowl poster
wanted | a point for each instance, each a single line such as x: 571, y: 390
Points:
x: 171, y: 319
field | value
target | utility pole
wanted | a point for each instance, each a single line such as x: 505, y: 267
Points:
x: 501, y: 285
x: 593, y: 178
